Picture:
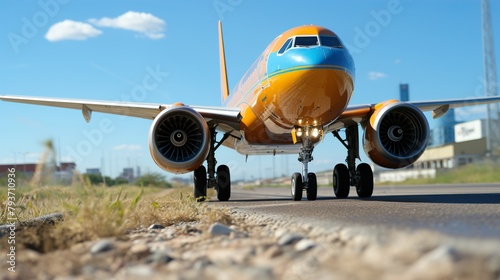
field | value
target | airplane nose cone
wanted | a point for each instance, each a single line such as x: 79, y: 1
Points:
x: 326, y: 56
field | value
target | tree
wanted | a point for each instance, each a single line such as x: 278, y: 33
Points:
x: 94, y: 179
x: 97, y: 179
x: 153, y: 180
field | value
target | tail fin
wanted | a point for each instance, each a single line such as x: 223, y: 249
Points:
x: 223, y: 71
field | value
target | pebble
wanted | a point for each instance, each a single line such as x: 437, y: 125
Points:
x: 138, y: 270
x: 155, y: 226
x: 273, y: 252
x: 304, y: 245
x: 139, y: 249
x: 201, y: 264
x: 289, y: 238
x: 237, y: 234
x: 280, y: 250
x: 158, y: 246
x: 101, y: 246
x: 219, y: 229
x: 168, y: 233
x: 280, y: 232
x: 160, y: 257
x: 438, y: 263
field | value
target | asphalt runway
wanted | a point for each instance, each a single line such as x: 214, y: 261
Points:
x: 471, y: 211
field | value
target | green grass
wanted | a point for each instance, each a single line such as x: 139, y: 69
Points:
x: 469, y: 174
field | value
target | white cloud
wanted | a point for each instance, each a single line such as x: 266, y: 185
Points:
x: 125, y: 147
x: 373, y: 75
x: 71, y: 30
x: 144, y: 23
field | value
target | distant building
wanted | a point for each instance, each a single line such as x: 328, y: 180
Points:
x: 469, y: 147
x: 62, y: 173
x: 471, y: 130
x: 95, y: 171
x: 127, y: 174
x: 27, y: 168
x: 404, y: 92
x: 30, y: 168
x: 444, y: 132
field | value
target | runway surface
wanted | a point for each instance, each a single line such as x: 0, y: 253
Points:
x: 471, y: 211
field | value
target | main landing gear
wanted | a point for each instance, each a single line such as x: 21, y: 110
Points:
x: 219, y: 179
x: 344, y: 176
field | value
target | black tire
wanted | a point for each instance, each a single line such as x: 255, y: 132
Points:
x: 312, y: 187
x: 341, y: 182
x: 365, y: 184
x: 223, y: 183
x: 297, y: 186
x: 200, y: 183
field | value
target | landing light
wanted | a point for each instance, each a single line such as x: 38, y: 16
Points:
x: 299, y: 132
x: 315, y: 132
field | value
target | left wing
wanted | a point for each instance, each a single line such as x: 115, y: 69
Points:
x: 361, y: 113
x: 227, y: 117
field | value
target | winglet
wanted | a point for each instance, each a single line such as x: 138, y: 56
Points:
x: 223, y: 71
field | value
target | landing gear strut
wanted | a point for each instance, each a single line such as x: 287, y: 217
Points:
x: 345, y: 176
x: 305, y: 181
x: 219, y: 179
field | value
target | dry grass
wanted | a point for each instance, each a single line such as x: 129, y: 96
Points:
x: 92, y: 212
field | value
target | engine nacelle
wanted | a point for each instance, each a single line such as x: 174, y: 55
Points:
x: 179, y: 139
x: 396, y: 135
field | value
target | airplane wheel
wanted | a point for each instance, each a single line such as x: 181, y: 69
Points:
x: 200, y: 183
x: 312, y: 187
x: 341, y: 184
x: 297, y: 186
x: 365, y: 185
x: 223, y: 183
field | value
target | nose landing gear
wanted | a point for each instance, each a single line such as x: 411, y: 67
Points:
x: 306, y: 180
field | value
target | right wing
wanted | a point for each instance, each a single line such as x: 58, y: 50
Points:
x: 361, y: 113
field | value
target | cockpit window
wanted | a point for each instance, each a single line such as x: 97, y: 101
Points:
x: 306, y: 41
x: 310, y: 41
x: 285, y: 46
x: 329, y: 41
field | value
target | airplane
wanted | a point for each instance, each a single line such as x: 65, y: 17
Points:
x: 296, y: 92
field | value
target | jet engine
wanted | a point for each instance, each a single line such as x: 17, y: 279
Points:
x: 179, y: 139
x: 396, y: 134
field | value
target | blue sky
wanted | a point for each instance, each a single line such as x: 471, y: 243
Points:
x: 435, y: 46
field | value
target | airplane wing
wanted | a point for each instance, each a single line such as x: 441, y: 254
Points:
x: 361, y: 113
x: 229, y: 118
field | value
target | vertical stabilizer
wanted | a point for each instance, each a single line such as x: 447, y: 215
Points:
x: 223, y: 70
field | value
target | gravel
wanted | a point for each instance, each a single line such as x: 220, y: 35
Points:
x: 260, y: 246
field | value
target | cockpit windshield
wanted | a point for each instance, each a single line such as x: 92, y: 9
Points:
x: 329, y: 41
x: 306, y: 41
x: 310, y: 41
x: 286, y: 46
